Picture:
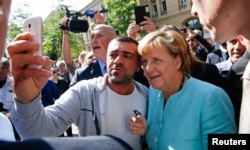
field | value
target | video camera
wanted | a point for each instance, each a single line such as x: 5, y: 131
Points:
x: 74, y: 24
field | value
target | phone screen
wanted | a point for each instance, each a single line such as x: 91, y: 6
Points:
x: 140, y: 12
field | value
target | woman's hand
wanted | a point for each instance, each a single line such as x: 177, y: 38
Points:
x: 138, y: 125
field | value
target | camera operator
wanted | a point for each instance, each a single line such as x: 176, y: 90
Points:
x: 66, y: 49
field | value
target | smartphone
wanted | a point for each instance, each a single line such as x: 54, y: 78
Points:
x: 137, y: 113
x: 34, y: 25
x: 140, y: 12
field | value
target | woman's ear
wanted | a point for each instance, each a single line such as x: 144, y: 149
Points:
x: 178, y: 62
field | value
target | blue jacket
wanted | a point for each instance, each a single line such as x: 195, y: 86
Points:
x: 188, y: 116
x: 50, y: 93
x: 87, y: 72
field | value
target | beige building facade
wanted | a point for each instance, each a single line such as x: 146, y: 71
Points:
x: 175, y: 12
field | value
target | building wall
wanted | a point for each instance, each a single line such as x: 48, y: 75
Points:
x: 176, y: 14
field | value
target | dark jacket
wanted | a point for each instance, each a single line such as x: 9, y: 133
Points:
x: 201, y: 53
x: 87, y: 72
x: 234, y: 83
x: 50, y: 93
x: 207, y: 72
x: 216, y: 57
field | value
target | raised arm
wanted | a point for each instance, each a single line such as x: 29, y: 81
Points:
x: 66, y: 50
x: 28, y: 82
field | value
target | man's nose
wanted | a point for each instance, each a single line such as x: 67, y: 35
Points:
x: 194, y: 11
x: 118, y: 59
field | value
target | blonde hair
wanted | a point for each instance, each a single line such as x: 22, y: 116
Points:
x: 172, y: 41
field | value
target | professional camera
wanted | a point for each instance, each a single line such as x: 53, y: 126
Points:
x: 74, y: 24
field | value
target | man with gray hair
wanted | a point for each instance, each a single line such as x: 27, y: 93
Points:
x: 101, y: 35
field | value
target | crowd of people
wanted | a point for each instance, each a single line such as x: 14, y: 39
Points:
x: 168, y: 89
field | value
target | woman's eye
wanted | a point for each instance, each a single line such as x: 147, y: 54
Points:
x: 156, y: 60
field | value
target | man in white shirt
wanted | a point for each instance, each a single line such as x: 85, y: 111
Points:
x: 98, y: 106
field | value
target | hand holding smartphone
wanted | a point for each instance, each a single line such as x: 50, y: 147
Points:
x: 34, y: 26
x: 140, y: 12
x: 137, y: 113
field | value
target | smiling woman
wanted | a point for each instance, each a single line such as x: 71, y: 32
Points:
x: 175, y: 94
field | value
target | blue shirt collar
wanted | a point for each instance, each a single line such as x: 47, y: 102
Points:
x: 102, y: 65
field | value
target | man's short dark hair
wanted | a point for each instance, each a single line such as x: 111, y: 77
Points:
x: 128, y: 40
x: 125, y: 39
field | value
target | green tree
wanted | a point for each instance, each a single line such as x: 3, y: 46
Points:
x: 52, y: 35
x: 120, y: 13
x: 16, y: 20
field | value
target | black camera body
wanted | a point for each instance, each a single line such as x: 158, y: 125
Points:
x: 78, y: 26
x: 75, y: 23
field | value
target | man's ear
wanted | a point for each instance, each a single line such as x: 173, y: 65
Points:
x: 240, y: 38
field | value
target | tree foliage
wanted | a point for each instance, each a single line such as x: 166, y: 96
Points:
x: 52, y: 34
x: 16, y: 20
x: 120, y: 14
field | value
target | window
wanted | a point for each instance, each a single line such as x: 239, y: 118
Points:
x: 163, y: 6
x: 155, y: 11
x: 183, y: 2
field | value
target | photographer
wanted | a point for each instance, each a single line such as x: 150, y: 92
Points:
x: 66, y: 49
x: 134, y: 28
